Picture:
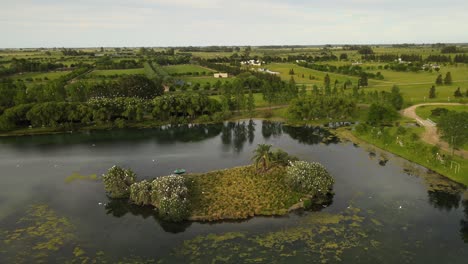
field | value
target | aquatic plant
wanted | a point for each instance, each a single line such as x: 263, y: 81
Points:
x: 117, y: 182
x: 170, y: 195
x: 140, y: 193
x: 311, y: 178
x: 77, y: 177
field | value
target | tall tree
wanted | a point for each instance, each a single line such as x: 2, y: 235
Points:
x: 363, y: 80
x: 303, y: 91
x: 262, y: 155
x: 458, y: 93
x: 326, y: 81
x: 439, y: 80
x: 448, y: 78
x: 250, y: 103
x: 453, y: 127
x: 396, y: 99
x: 432, y: 92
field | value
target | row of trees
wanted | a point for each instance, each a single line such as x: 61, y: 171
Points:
x: 106, y: 63
x: 447, y: 80
x: 15, y: 93
x: 321, y: 107
x: 352, y: 70
x: 104, y: 110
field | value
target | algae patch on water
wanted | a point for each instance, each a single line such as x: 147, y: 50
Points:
x: 43, y: 236
x: 320, y: 237
x: 79, y: 177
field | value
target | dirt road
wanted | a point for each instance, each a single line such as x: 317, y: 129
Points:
x: 430, y: 135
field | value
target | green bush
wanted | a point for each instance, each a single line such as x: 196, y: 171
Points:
x: 282, y: 158
x: 117, y: 182
x: 311, y: 178
x: 140, y: 193
x: 170, y: 195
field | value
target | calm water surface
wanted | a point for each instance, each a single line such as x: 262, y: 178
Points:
x: 381, y: 213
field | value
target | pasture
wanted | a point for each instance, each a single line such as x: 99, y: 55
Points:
x: 185, y: 69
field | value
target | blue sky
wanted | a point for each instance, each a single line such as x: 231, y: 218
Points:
x: 135, y: 23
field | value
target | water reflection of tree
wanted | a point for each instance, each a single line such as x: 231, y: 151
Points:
x: 443, y: 193
x: 444, y: 200
x: 234, y: 135
x: 310, y: 134
x: 269, y: 129
x: 163, y: 135
x: 464, y: 223
x: 121, y: 207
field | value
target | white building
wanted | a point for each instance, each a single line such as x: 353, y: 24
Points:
x: 221, y: 75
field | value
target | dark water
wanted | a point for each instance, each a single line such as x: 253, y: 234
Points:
x: 389, y: 211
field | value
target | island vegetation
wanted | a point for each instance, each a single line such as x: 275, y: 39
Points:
x: 275, y: 184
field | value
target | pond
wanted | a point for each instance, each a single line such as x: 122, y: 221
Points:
x: 382, y: 212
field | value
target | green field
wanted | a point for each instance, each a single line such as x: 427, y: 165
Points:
x: 202, y: 80
x: 425, y: 110
x: 186, y: 68
x: 117, y: 72
x: 41, y: 75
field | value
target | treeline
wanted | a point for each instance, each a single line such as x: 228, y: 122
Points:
x: 106, y: 63
x: 353, y: 70
x: 74, y: 52
x: 321, y: 107
x: 460, y: 58
x: 23, y: 65
x: 209, y: 49
x: 15, y: 93
x: 392, y: 57
x: 115, y: 111
x: 136, y: 86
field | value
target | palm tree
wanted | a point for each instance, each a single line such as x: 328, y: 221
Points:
x: 262, y: 154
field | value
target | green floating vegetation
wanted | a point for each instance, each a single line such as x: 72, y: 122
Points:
x: 320, y: 237
x: 42, y: 236
x: 78, y: 177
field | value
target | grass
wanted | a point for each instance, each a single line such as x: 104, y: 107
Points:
x: 117, y: 72
x: 185, y: 68
x: 425, y: 110
x: 240, y: 193
x: 202, y: 80
x: 421, y: 155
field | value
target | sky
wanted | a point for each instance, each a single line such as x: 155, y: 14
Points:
x: 161, y: 23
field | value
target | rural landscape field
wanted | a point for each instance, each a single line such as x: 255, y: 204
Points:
x: 127, y: 137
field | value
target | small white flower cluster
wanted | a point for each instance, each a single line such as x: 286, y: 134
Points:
x: 311, y: 178
x: 170, y: 195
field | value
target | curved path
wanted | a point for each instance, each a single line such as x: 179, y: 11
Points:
x: 430, y: 135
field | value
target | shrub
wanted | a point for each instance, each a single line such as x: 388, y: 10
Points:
x: 120, y: 123
x: 117, y: 182
x: 170, y: 195
x: 311, y: 178
x: 140, y: 193
x: 282, y: 158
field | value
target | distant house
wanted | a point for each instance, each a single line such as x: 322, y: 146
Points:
x: 356, y: 63
x: 221, y: 75
x: 252, y: 62
x: 268, y: 71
